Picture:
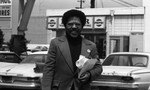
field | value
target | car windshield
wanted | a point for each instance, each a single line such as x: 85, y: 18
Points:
x: 126, y: 60
x: 35, y: 58
x: 9, y: 57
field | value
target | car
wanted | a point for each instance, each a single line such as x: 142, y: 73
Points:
x: 37, y: 47
x: 125, y: 71
x: 25, y: 75
x: 9, y: 57
x: 36, y: 57
x: 31, y: 48
x: 7, y: 60
x: 4, y: 47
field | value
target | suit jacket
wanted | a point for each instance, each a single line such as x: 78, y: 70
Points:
x: 58, y: 72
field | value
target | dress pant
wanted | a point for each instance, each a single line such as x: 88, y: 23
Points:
x: 72, y: 88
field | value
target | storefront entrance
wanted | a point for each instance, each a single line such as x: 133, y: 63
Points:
x: 118, y: 44
x: 100, y: 40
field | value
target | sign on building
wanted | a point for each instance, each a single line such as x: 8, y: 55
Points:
x: 52, y: 23
x: 92, y: 22
x: 5, y: 14
x: 60, y: 24
x: 89, y: 23
x: 99, y: 22
x: 5, y: 2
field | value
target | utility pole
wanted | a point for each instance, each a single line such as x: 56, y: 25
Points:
x: 92, y: 3
x: 81, y: 1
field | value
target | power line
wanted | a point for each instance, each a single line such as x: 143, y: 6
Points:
x: 124, y: 3
x: 120, y: 3
x: 127, y: 3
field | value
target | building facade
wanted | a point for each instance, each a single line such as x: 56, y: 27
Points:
x: 112, y: 29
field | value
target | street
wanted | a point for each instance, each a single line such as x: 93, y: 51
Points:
x: 15, y: 89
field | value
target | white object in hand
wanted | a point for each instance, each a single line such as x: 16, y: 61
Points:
x: 81, y: 61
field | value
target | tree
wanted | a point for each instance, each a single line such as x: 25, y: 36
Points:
x: 1, y: 38
x: 17, y: 44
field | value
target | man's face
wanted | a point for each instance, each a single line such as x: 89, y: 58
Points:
x: 74, y: 27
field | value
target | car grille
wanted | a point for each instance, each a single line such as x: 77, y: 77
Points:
x: 110, y: 78
x: 7, y: 79
x: 125, y: 79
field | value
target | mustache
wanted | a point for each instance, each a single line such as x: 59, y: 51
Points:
x: 74, y: 29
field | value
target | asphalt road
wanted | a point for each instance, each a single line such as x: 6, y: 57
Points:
x: 93, y: 88
x: 15, y: 89
x: 32, y: 89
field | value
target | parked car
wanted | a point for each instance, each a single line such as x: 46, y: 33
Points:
x: 27, y: 74
x: 4, y: 47
x: 9, y: 57
x: 31, y: 48
x: 125, y: 71
x: 8, y: 60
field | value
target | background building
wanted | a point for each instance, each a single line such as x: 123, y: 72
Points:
x: 38, y: 16
x: 112, y: 29
x: 9, y: 23
x: 126, y: 21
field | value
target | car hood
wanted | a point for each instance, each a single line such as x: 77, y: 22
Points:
x: 121, y: 70
x: 23, y: 70
x: 4, y: 66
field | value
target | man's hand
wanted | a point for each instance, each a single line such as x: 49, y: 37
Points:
x: 85, y: 77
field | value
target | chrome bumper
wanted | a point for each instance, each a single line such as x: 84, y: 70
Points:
x: 115, y: 84
x: 24, y: 85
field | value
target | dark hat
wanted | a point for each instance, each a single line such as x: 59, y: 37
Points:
x: 72, y: 13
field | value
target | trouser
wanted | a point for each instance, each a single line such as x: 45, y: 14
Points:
x: 72, y: 88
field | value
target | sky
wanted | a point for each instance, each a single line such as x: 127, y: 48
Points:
x: 41, y: 6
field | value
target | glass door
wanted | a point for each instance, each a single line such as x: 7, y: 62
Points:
x: 119, y: 44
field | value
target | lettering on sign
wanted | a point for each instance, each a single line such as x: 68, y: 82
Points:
x: 5, y: 11
x: 5, y: 2
x: 96, y: 22
x: 99, y: 22
x: 60, y: 24
x: 89, y: 22
x: 52, y: 22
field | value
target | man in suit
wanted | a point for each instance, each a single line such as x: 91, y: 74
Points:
x: 60, y: 71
